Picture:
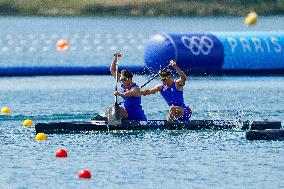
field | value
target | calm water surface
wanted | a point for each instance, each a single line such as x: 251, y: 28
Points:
x: 156, y: 159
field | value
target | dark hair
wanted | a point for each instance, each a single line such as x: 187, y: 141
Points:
x: 165, y: 73
x: 127, y: 73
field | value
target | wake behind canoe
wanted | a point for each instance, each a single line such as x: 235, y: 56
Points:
x: 100, y: 125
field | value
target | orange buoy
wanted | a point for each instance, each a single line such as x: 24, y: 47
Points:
x: 85, y: 174
x: 61, y: 153
x: 62, y: 45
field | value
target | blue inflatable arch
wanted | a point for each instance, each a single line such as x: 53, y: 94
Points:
x: 218, y: 53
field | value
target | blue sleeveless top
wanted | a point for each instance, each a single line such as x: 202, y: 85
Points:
x: 133, y: 105
x: 172, y: 96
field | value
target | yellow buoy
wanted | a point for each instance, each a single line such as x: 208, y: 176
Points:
x: 27, y: 122
x: 5, y: 110
x: 40, y: 136
x: 251, y: 18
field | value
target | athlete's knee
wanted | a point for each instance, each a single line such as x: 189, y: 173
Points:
x: 123, y: 112
x: 177, y: 110
x: 174, y: 108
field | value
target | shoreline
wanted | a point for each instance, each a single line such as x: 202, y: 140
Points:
x: 153, y: 8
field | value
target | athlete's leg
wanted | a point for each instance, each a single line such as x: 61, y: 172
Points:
x: 175, y: 112
x: 186, y: 115
x: 123, y: 112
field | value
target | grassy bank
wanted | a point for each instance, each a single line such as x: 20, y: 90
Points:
x: 140, y: 7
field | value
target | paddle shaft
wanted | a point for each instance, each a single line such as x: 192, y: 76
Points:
x: 116, y: 78
x: 156, y: 75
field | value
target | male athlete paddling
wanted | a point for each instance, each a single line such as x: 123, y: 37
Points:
x: 172, y: 92
x: 130, y: 92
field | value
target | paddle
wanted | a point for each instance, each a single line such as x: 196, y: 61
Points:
x: 156, y: 75
x: 116, y: 79
x: 113, y: 113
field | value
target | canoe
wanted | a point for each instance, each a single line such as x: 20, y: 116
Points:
x: 273, y: 134
x: 101, y: 125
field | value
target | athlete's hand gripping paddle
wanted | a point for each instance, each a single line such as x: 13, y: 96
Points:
x: 156, y: 75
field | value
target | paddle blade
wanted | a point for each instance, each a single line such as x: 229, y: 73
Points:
x: 114, y: 115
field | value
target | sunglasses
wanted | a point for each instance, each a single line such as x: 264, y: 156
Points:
x: 163, y: 79
x: 123, y: 79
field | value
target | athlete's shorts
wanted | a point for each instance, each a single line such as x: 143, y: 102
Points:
x: 186, y: 114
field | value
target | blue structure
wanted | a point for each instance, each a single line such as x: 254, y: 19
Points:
x: 218, y: 53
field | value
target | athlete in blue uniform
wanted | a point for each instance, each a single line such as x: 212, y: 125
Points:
x: 172, y: 92
x: 130, y: 92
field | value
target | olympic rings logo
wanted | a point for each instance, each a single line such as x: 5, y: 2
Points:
x: 197, y: 44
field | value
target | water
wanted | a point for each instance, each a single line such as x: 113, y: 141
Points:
x: 152, y: 159
x: 94, y: 39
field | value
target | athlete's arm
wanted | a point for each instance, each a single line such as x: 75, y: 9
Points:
x: 135, y: 91
x: 182, y: 77
x: 151, y: 90
x: 113, y: 66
